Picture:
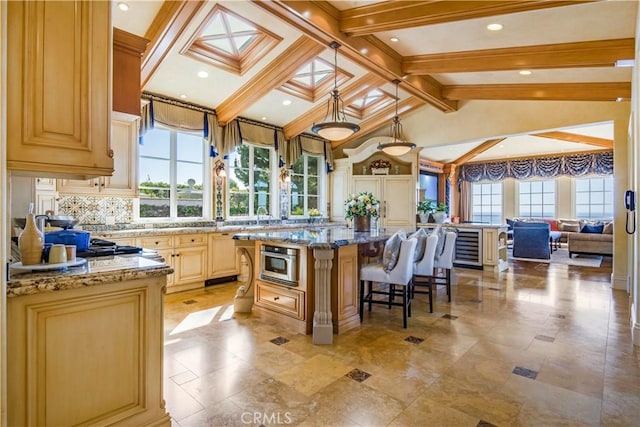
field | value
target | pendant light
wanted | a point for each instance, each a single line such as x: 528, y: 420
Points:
x: 335, y: 126
x: 398, y: 144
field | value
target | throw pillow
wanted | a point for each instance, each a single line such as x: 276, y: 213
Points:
x: 568, y: 226
x: 595, y: 229
x: 421, y: 236
x: 441, y: 236
x: 392, y: 251
x: 608, y: 228
x: 510, y: 224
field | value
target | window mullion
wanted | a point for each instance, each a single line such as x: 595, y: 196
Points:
x: 173, y: 200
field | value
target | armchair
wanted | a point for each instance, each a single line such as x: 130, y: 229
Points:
x: 531, y: 240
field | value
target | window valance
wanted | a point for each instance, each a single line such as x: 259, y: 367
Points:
x: 600, y: 163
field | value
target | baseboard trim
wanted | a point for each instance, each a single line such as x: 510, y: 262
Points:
x: 635, y: 327
x: 620, y: 282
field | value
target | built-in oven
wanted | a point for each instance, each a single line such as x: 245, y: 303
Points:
x: 279, y: 264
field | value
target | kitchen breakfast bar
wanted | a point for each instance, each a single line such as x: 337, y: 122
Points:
x: 320, y: 296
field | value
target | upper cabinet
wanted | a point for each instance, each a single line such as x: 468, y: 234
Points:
x: 127, y: 57
x: 59, y: 88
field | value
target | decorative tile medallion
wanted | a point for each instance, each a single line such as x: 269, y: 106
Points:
x: 279, y: 340
x: 483, y: 423
x: 413, y: 340
x: 545, y: 338
x: 189, y: 301
x: 524, y: 372
x: 358, y: 375
x: 558, y: 316
x: 449, y: 316
x: 493, y: 289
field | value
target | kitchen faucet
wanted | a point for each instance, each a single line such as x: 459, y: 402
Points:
x: 261, y: 210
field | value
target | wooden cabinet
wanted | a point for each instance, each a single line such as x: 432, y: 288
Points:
x: 281, y: 299
x: 124, y: 181
x: 59, y: 88
x: 91, y: 355
x: 397, y: 198
x: 127, y: 57
x: 344, y: 289
x: 186, y: 253
x: 223, y: 260
x: 494, y: 249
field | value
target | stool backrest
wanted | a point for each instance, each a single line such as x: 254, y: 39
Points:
x: 445, y: 259
x: 424, y: 266
x: 403, y: 271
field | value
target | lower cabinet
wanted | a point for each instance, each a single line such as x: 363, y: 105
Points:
x: 223, y: 260
x: 91, y: 355
x: 186, y: 254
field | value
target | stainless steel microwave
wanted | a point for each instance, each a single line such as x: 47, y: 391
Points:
x: 279, y: 264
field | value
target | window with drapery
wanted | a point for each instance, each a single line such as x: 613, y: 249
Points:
x: 249, y: 181
x: 537, y: 199
x: 486, y: 205
x: 306, y: 175
x: 594, y: 197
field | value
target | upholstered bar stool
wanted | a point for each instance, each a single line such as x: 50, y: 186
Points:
x: 423, y: 269
x: 445, y: 261
x: 399, y: 275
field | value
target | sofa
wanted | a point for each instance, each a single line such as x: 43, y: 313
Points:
x: 581, y: 236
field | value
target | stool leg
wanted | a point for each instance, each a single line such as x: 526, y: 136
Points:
x: 407, y: 295
x: 448, y: 274
x: 404, y: 308
x: 430, y: 295
x: 392, y: 291
x: 370, y: 294
x: 361, y: 299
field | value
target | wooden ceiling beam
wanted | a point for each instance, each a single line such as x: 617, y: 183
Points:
x: 597, y: 53
x: 381, y: 118
x: 167, y: 26
x: 556, y: 92
x: 349, y: 93
x: 476, y: 151
x: 321, y: 21
x: 577, y: 138
x: 397, y: 15
x: 270, y: 77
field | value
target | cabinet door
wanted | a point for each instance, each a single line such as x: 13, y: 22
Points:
x: 190, y: 265
x: 222, y: 255
x: 45, y: 201
x: 59, y: 88
x: 77, y: 186
x: 124, y: 141
x: 45, y: 184
x: 399, y: 207
x: 372, y: 184
x: 167, y: 254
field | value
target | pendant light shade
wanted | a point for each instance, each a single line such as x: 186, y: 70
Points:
x: 335, y: 126
x: 398, y: 144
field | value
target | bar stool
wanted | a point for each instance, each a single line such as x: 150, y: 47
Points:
x: 445, y: 261
x: 400, y: 275
x: 423, y: 269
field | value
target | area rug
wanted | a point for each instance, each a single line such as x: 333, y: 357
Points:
x: 561, y: 256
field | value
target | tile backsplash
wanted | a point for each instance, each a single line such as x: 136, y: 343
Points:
x: 96, y: 210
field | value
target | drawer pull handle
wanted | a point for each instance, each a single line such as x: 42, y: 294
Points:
x: 276, y: 298
x: 193, y: 240
x: 157, y: 243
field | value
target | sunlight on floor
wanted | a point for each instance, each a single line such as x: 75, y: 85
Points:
x: 201, y: 318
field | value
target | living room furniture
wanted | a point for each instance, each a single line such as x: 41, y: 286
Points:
x: 590, y: 243
x: 531, y: 240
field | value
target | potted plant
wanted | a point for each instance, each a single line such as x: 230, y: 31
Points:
x: 440, y: 213
x: 425, y: 208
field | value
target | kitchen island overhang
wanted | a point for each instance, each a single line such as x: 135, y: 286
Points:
x: 332, y: 286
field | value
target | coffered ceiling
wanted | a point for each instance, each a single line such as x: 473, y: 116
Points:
x: 442, y: 51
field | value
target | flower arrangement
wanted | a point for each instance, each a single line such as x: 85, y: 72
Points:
x: 314, y: 212
x: 361, y: 204
x: 380, y: 164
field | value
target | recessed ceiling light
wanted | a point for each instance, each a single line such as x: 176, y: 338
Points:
x: 364, y: 51
x: 306, y: 14
x: 394, y: 39
x: 494, y: 27
x: 286, y: 102
x: 501, y: 146
x: 203, y: 74
x: 123, y: 6
x: 525, y: 73
x: 264, y: 118
x: 183, y: 96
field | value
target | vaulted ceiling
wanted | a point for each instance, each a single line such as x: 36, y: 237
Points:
x: 270, y: 61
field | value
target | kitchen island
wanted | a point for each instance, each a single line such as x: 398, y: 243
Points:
x: 85, y: 345
x: 328, y: 280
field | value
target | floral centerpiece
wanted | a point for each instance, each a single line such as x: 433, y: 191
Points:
x: 361, y: 207
x: 380, y: 167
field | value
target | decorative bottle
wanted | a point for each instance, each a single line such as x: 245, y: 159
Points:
x: 31, y: 242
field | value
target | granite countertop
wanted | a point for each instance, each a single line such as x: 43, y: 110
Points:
x: 320, y: 238
x: 141, y: 232
x: 96, y: 271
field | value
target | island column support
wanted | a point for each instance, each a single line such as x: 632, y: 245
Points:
x: 243, y: 300
x: 322, y: 317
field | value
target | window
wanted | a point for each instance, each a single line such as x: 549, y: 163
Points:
x: 428, y: 186
x: 537, y: 199
x: 172, y: 174
x: 249, y: 180
x: 486, y: 202
x: 305, y: 185
x: 594, y: 198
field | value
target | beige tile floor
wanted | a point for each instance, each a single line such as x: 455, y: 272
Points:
x: 538, y: 345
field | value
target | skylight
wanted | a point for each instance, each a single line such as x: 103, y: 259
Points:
x: 314, y: 79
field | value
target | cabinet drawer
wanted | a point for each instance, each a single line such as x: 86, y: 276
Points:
x: 280, y: 299
x: 187, y: 240
x: 156, y: 242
